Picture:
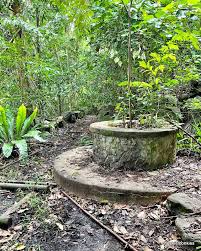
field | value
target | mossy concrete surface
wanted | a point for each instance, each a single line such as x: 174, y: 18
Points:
x: 76, y: 172
x: 133, y: 149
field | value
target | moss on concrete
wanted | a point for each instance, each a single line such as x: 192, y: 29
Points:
x: 138, y: 150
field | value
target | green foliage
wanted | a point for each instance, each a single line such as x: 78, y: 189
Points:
x: 165, y: 40
x: 14, y: 132
x: 70, y: 55
x: 184, y: 142
x: 194, y: 104
x: 85, y: 141
x: 39, y: 207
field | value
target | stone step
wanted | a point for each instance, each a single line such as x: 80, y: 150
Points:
x: 179, y: 203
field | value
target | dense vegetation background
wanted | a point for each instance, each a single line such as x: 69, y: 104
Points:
x: 69, y: 55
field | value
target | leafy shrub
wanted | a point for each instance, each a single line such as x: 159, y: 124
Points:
x: 187, y: 143
x: 14, y: 132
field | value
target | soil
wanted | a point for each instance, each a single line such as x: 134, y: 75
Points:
x: 7, y: 198
x: 60, y: 227
x: 50, y: 222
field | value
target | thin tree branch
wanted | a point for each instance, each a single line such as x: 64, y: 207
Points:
x: 187, y: 133
x: 127, y: 245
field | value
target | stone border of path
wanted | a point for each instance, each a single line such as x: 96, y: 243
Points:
x: 187, y: 209
x: 73, y: 174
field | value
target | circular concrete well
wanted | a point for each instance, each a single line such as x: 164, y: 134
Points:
x: 133, y: 149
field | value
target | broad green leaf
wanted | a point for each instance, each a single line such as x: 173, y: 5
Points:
x: 173, y: 46
x: 34, y: 134
x: 21, y: 116
x: 169, y: 7
x: 125, y: 1
x: 116, y: 60
x: 4, y: 122
x: 3, y: 136
x: 28, y: 122
x: 10, y: 119
x: 143, y: 64
x: 147, y: 17
x: 192, y: 2
x: 21, y: 144
x: 170, y: 56
x: 161, y: 68
x: 157, y: 80
x: 156, y: 56
x: 7, y: 149
x: 160, y: 14
x: 122, y: 84
x: 141, y: 84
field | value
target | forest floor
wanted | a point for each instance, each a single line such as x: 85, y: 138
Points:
x: 51, y: 222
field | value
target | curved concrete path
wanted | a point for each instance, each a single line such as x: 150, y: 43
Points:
x: 76, y: 172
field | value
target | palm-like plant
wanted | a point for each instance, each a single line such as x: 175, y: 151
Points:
x: 14, y: 132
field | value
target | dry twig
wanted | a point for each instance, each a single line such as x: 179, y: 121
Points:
x: 127, y: 245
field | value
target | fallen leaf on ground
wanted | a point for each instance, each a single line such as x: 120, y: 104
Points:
x: 120, y: 206
x: 154, y: 216
x: 141, y: 215
x: 47, y: 221
x: 17, y: 227
x: 20, y: 246
x: 161, y: 240
x: 116, y: 229
x: 60, y: 226
x: 22, y: 210
x: 143, y: 239
x: 123, y: 230
x: 103, y: 211
x: 4, y: 233
x: 147, y: 249
x: 173, y: 237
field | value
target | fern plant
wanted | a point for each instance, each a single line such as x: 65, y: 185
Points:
x: 15, y: 132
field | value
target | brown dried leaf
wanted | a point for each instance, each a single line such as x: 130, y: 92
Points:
x: 161, y: 240
x: 151, y: 232
x: 154, y: 215
x: 116, y: 229
x: 60, y: 226
x: 147, y: 249
x: 120, y: 206
x: 103, y: 211
x: 141, y: 215
x: 143, y: 239
x: 123, y: 230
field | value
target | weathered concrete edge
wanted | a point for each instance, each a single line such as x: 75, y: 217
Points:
x: 104, y: 128
x: 109, y: 193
